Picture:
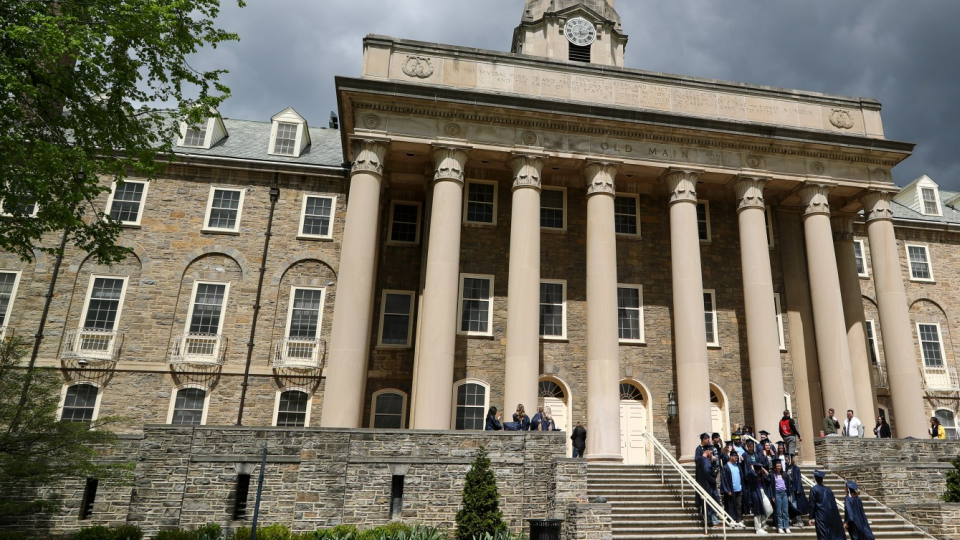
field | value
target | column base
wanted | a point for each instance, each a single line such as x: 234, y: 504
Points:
x: 604, y: 458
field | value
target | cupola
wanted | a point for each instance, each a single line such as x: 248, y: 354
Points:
x: 585, y: 31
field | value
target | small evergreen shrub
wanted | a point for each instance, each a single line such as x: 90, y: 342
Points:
x: 127, y: 532
x: 176, y: 534
x: 480, y: 514
x: 952, y: 494
x: 93, y: 533
x: 340, y: 532
x: 13, y: 535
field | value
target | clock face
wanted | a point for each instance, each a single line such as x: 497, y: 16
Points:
x: 580, y: 31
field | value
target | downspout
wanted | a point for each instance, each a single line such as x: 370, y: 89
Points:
x: 274, y: 195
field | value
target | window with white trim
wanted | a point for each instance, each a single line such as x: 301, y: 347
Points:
x: 388, y: 409
x: 630, y: 313
x: 470, y: 405
x: 859, y: 253
x: 223, y: 210
x: 404, y: 222
x: 476, y: 305
x: 929, y: 201
x: 768, y: 217
x: 126, y: 202
x: 931, y: 346
x: 919, y: 259
x: 553, y: 208
x: 316, y: 216
x: 285, y: 141
x: 189, y: 407
x: 305, y: 312
x: 872, y: 346
x: 553, y: 309
x: 293, y: 409
x: 703, y: 221
x: 80, y: 403
x: 20, y: 209
x: 948, y: 421
x: 710, y: 317
x: 196, y: 137
x: 626, y: 214
x: 779, y: 311
x: 8, y: 293
x: 206, y: 310
x: 103, y: 303
x: 396, y: 318
x: 481, y: 203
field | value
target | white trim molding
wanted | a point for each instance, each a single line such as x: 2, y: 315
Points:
x: 330, y: 218
x: 466, y: 202
x: 489, y: 300
x: 403, y: 406
x: 641, y: 340
x: 486, y: 401
x: 927, y: 262
x: 563, y: 309
x: 173, y: 402
x: 141, y: 204
x: 206, y: 215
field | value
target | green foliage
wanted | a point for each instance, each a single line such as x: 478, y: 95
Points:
x: 93, y: 533
x: 480, y: 514
x: 13, y: 535
x: 339, y: 532
x: 98, y: 86
x: 127, y: 532
x: 35, y: 449
x: 390, y: 531
x: 952, y: 494
x: 276, y: 531
x: 210, y: 531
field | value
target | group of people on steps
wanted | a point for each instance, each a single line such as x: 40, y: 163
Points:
x: 541, y: 421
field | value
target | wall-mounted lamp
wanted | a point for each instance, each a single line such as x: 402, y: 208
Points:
x: 672, y: 409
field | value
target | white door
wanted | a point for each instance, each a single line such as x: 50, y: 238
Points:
x: 716, y: 418
x: 558, y: 409
x: 633, y: 424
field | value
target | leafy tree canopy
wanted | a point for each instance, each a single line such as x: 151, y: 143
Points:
x: 88, y: 88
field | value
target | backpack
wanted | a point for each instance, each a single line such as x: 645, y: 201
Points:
x: 785, y: 427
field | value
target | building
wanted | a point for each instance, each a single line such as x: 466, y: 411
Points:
x: 541, y: 226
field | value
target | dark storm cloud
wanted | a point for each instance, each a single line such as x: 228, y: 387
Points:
x: 904, y: 53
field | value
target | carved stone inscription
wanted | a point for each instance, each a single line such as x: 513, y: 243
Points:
x: 495, y: 77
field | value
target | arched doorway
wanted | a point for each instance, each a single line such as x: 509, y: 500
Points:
x: 553, y: 394
x: 633, y: 424
x: 719, y: 415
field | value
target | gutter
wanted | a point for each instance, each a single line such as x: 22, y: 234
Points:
x: 257, y: 165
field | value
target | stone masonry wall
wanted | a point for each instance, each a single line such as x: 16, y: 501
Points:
x: 942, y: 520
x: 589, y: 522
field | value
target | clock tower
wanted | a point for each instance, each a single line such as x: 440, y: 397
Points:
x: 573, y: 30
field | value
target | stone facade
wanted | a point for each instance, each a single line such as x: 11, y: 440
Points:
x: 589, y: 522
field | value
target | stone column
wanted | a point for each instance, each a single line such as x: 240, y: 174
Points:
x: 346, y: 371
x: 828, y: 320
x: 855, y: 320
x: 766, y: 372
x: 898, y: 349
x: 432, y: 404
x: 690, y: 333
x: 523, y: 288
x: 603, y: 338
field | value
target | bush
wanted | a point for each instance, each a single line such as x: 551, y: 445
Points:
x: 391, y: 531
x: 276, y: 531
x: 340, y: 532
x: 952, y: 493
x: 12, y: 535
x: 210, y: 531
x: 127, y: 532
x: 480, y: 514
x: 93, y: 533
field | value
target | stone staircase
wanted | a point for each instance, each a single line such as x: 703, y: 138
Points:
x: 644, y: 509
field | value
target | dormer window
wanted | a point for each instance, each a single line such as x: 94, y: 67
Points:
x: 930, y: 201
x: 289, y: 135
x: 203, y: 135
x: 195, y: 137
x: 286, y: 139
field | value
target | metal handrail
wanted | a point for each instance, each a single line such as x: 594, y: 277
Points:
x: 299, y: 353
x: 803, y: 477
x: 708, y: 500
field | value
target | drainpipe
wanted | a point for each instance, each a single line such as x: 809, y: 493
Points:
x: 274, y: 195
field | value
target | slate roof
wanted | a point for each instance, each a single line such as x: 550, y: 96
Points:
x: 950, y: 214
x: 249, y: 139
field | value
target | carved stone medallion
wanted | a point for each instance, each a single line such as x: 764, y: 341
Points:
x: 371, y: 121
x: 420, y: 67
x: 529, y: 138
x: 817, y: 168
x: 753, y: 162
x: 841, y: 119
x: 880, y: 175
x: 452, y: 130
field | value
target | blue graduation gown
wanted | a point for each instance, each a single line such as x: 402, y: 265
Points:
x: 823, y: 510
x: 799, y: 497
x: 856, y: 519
x: 752, y: 485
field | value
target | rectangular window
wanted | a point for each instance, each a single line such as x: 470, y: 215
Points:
x: 872, y: 347
x: 553, y: 309
x: 303, y: 318
x: 223, y: 210
x: 630, y: 313
x: 20, y: 209
x: 104, y: 299
x: 768, y: 216
x: 476, y: 305
x: 126, y: 202
x: 189, y: 407
x: 196, y: 137
x: 80, y: 403
x: 553, y: 204
x: 8, y: 293
x: 919, y: 258
x: 292, y: 407
x: 931, y: 206
x: 779, y: 311
x: 481, y: 203
x: 703, y: 221
x: 316, y: 216
x: 396, y: 316
x: 207, y: 308
x: 396, y: 496
x: 471, y: 407
x: 710, y: 317
x: 286, y: 139
x: 859, y: 255
x: 89, y: 498
x: 626, y: 214
x: 404, y: 223
x: 388, y: 408
x: 930, y: 345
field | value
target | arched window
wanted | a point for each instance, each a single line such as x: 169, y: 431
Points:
x: 293, y: 409
x: 629, y: 392
x: 389, y: 408
x: 550, y: 389
x: 80, y: 403
x: 948, y: 421
x: 189, y: 407
x: 471, y: 404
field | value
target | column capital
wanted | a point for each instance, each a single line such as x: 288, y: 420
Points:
x: 842, y: 225
x: 527, y: 169
x: 601, y: 176
x: 876, y: 205
x: 450, y: 162
x: 682, y: 184
x: 368, y: 156
x: 749, y: 191
x: 814, y: 200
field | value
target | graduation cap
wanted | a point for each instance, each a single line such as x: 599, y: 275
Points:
x: 715, y: 436
x: 764, y: 432
x: 852, y: 486
x: 819, y: 474
x: 780, y: 443
x: 736, y: 436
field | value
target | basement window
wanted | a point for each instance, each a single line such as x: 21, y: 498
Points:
x: 579, y: 54
x: 243, y: 492
x: 89, y: 498
x: 396, y: 496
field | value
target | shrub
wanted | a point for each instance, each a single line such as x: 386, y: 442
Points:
x: 276, y: 531
x: 340, y: 532
x: 13, y: 535
x: 390, y: 531
x: 93, y: 533
x: 480, y: 514
x: 210, y: 531
x: 952, y: 494
x: 127, y: 532
x: 428, y: 532
x: 175, y: 534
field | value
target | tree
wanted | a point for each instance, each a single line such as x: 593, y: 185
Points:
x: 480, y: 514
x: 41, y: 451
x: 91, y: 89
x: 952, y: 494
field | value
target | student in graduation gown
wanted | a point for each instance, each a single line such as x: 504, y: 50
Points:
x: 823, y: 511
x: 752, y: 498
x: 798, y: 498
x: 854, y: 518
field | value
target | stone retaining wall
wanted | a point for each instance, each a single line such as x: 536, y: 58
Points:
x: 939, y: 519
x: 834, y: 452
x: 589, y: 522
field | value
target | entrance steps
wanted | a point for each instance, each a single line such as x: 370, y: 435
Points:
x: 646, y: 508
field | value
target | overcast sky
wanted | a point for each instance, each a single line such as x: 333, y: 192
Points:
x: 902, y: 52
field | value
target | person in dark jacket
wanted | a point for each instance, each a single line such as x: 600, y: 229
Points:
x: 731, y: 486
x: 781, y: 488
x: 521, y: 418
x: 707, y: 479
x: 579, y: 438
x: 537, y: 420
x: 754, y: 472
x: 882, y: 431
x: 823, y: 511
x: 493, y: 420
x: 854, y: 518
x: 798, y: 498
